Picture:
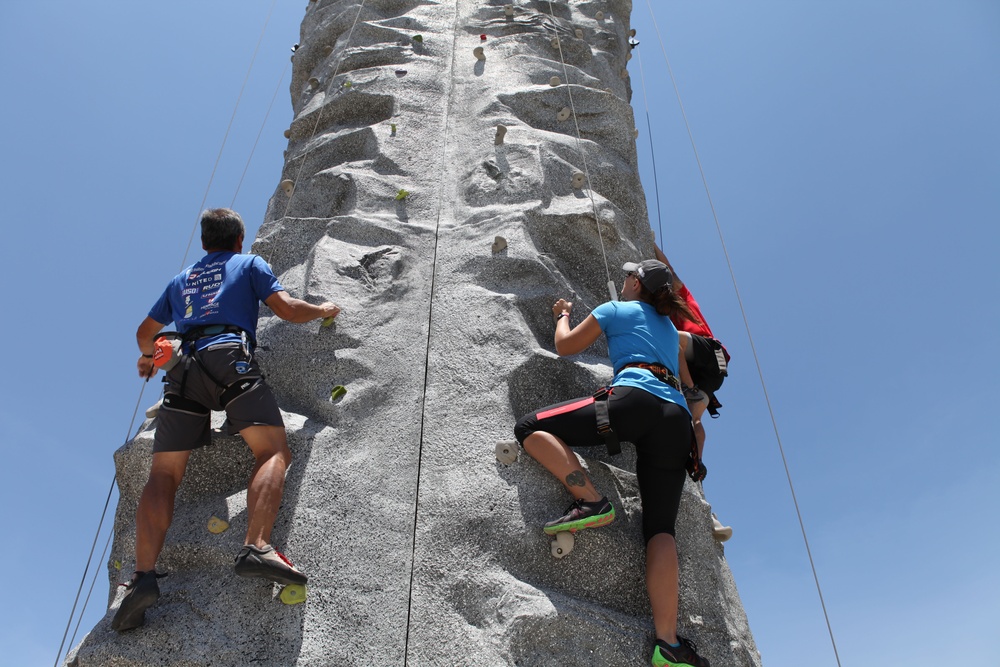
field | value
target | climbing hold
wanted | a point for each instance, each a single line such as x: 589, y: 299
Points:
x: 288, y: 186
x: 631, y: 33
x: 337, y: 392
x: 508, y: 10
x: 579, y: 33
x: 562, y: 545
x: 479, y: 53
x: 217, y: 525
x: 564, y: 114
x: 348, y: 84
x: 327, y: 322
x: 418, y: 39
x: 501, y: 131
x: 293, y: 594
x: 632, y: 43
x: 635, y: 133
x: 628, y: 57
x: 599, y: 16
x: 392, y: 127
x: 507, y: 450
x: 314, y: 83
x: 154, y: 409
x: 327, y: 50
x: 401, y: 73
x: 118, y: 565
x: 499, y: 244
x: 554, y: 81
x: 624, y: 73
x: 482, y: 38
x: 288, y: 133
x: 555, y: 42
x: 578, y: 179
x: 402, y: 194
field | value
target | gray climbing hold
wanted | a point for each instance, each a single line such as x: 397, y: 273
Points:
x: 479, y: 53
x: 579, y: 33
x: 555, y: 42
x: 599, y: 16
x: 327, y: 50
x: 499, y: 244
x: 401, y: 73
x: 507, y: 451
x: 554, y: 81
x: 288, y: 186
x: 578, y: 180
x: 314, y: 83
x: 564, y: 114
x: 501, y: 132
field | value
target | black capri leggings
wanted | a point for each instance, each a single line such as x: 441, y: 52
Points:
x: 660, y: 430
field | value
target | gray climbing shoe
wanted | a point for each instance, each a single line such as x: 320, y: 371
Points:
x: 267, y: 563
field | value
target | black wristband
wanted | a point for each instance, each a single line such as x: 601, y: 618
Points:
x: 148, y: 356
x: 561, y: 315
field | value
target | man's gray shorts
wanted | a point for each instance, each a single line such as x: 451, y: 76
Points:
x: 187, y: 427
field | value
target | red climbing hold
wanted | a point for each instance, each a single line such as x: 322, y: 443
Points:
x: 482, y: 37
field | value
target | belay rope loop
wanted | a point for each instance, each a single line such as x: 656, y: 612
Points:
x: 746, y: 324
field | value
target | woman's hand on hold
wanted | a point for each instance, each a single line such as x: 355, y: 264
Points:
x: 562, y: 306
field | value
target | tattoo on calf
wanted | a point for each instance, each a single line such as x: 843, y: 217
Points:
x: 576, y: 478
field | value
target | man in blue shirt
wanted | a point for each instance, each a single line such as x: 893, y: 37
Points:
x: 214, y: 304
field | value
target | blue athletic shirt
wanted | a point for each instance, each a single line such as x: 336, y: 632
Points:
x: 222, y: 288
x: 636, y: 333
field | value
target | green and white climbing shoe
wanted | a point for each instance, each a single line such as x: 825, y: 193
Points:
x: 582, y: 514
x: 683, y: 655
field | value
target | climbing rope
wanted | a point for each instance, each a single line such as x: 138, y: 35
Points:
x: 225, y: 137
x: 267, y: 114
x: 652, y: 153
x: 583, y: 154
x: 746, y: 324
x: 142, y: 388
x: 90, y: 591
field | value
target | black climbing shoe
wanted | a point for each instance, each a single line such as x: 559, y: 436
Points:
x: 141, y: 592
x: 685, y: 655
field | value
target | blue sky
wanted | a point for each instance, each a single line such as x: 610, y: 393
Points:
x: 853, y: 155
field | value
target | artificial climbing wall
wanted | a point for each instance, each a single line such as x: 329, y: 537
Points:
x: 436, y: 187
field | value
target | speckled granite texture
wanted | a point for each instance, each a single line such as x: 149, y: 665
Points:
x: 422, y: 549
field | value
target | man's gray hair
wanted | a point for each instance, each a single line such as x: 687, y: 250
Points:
x: 221, y: 228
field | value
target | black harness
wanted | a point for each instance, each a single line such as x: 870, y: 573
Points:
x: 229, y: 391
x: 604, y: 429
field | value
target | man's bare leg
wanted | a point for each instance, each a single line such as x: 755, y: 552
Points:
x: 156, y: 507
x: 556, y: 457
x: 269, y: 445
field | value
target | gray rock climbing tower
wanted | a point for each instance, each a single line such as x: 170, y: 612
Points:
x: 411, y: 152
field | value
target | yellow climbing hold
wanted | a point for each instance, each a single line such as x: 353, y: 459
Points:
x: 327, y: 322
x: 337, y: 392
x: 293, y: 594
x: 347, y: 84
x: 402, y: 194
x: 118, y: 565
x: 217, y: 525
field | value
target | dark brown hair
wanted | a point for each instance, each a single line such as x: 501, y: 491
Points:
x: 667, y: 302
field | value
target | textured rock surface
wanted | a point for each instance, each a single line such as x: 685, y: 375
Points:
x: 421, y: 548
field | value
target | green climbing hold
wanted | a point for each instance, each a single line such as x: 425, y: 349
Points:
x: 402, y: 194
x: 293, y: 594
x: 393, y: 126
x: 418, y: 38
x: 337, y: 392
x: 347, y: 84
x: 327, y: 322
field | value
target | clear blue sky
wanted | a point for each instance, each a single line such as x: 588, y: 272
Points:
x: 853, y: 152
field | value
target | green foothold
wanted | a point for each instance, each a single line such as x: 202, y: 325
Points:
x: 347, y: 84
x: 118, y: 565
x: 327, y: 322
x: 418, y: 38
x: 401, y: 195
x: 293, y: 594
x: 337, y: 392
x: 393, y: 126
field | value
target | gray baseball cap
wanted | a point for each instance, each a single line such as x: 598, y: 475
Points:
x: 653, y: 274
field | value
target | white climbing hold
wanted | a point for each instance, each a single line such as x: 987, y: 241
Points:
x: 314, y: 83
x: 555, y: 42
x: 507, y: 450
x: 508, y: 10
x: 288, y: 186
x: 578, y: 180
x: 579, y: 33
x: 501, y: 132
x: 479, y: 53
x: 562, y: 546
x: 554, y: 81
x: 599, y: 16
x: 564, y: 114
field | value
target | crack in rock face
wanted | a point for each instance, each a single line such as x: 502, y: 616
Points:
x: 419, y: 544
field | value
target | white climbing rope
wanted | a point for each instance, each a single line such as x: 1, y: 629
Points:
x: 583, y: 154
x: 746, y: 324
